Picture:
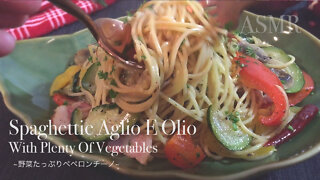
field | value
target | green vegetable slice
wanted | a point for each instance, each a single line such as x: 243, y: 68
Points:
x: 75, y: 82
x: 234, y: 140
x: 88, y: 81
x: 295, y: 109
x: 291, y: 86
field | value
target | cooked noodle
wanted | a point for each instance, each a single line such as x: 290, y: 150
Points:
x: 187, y: 68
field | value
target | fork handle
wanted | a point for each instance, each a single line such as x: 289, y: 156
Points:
x: 74, y: 10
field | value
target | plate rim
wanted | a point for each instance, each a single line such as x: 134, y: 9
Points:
x: 176, y: 172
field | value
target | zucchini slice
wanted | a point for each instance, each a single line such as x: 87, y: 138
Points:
x: 76, y: 119
x: 75, y: 83
x: 291, y: 85
x: 108, y: 115
x: 228, y: 137
x: 88, y: 80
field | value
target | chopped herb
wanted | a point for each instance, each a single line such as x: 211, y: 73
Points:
x: 90, y: 59
x: 103, y: 75
x: 240, y: 64
x: 143, y: 57
x: 113, y: 82
x: 105, y: 58
x: 283, y: 81
x: 290, y: 128
x: 98, y: 63
x: 112, y: 69
x: 188, y: 86
x: 140, y: 39
x: 235, y: 127
x: 124, y: 20
x: 129, y: 14
x: 117, y: 43
x: 234, y: 117
x: 250, y: 52
x: 246, y: 37
x: 112, y: 93
x: 65, y: 103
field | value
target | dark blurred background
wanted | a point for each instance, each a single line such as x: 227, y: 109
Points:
x: 307, y: 11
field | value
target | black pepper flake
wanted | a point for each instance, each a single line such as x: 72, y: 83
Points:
x: 112, y: 93
x: 103, y: 75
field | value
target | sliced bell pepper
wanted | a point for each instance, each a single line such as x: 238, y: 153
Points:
x: 182, y: 152
x: 256, y: 75
x: 308, y: 87
x: 64, y: 79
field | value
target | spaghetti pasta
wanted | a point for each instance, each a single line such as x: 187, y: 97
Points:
x: 188, y: 67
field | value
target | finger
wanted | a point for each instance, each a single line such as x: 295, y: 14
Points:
x: 20, y: 6
x: 12, y: 20
x: 7, y: 43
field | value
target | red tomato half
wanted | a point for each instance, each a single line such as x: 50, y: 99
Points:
x: 182, y: 152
